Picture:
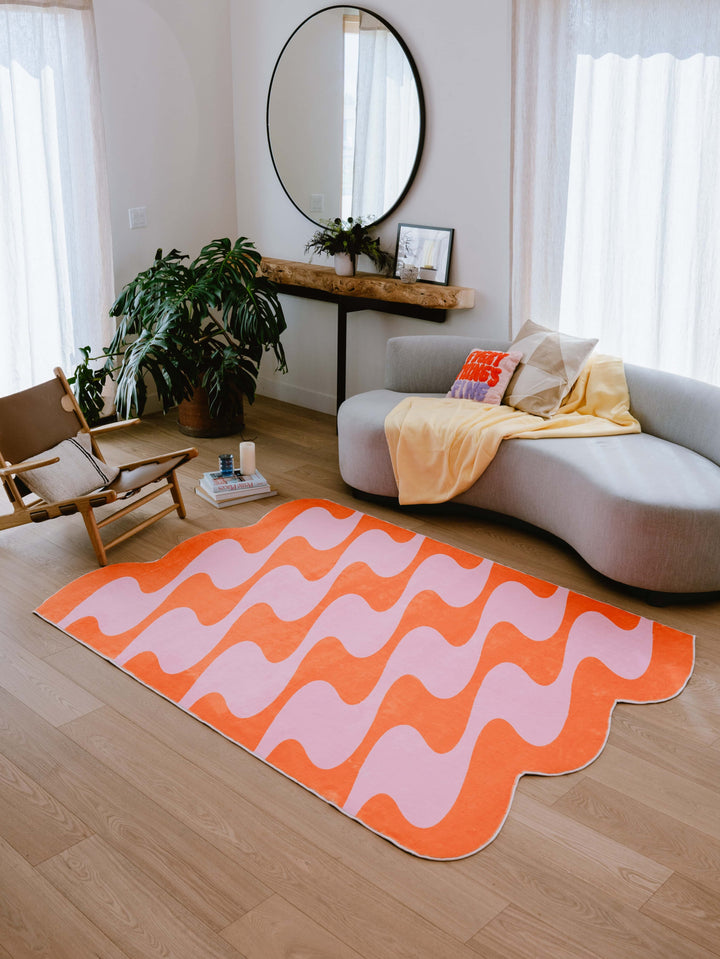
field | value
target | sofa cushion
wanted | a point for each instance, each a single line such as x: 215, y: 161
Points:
x: 485, y: 376
x: 551, y: 363
x: 76, y: 473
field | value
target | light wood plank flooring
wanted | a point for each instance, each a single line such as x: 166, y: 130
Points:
x: 127, y: 829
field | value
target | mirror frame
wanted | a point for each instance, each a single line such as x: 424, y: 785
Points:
x: 421, y: 108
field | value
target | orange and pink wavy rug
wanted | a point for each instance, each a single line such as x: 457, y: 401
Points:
x: 406, y: 682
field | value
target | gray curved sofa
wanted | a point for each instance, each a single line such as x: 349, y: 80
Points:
x: 642, y: 509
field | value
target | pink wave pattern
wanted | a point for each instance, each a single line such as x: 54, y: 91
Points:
x: 408, y: 683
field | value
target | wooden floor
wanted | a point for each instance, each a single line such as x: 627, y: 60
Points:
x: 128, y: 829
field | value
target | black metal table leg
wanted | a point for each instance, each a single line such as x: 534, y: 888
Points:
x: 341, y: 354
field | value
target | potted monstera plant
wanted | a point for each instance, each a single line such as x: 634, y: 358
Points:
x: 197, y: 331
x: 345, y: 240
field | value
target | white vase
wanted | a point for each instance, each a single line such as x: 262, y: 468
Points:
x: 344, y: 264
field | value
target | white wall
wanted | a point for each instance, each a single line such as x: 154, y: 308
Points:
x: 166, y: 82
x: 184, y: 86
x: 462, y: 51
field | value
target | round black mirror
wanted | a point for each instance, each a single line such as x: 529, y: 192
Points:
x: 345, y: 116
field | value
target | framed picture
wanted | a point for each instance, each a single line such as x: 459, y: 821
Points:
x: 426, y: 247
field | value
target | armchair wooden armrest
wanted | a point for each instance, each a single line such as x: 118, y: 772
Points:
x: 38, y: 510
x: 187, y: 454
x: 27, y: 466
x: 110, y: 427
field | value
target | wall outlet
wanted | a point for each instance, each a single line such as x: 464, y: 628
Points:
x: 138, y: 217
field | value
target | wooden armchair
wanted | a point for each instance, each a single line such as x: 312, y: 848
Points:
x: 47, y: 445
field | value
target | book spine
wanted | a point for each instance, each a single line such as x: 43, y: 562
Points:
x: 236, y: 476
x: 230, y: 487
x: 214, y: 483
x: 230, y: 501
x: 231, y: 484
x: 236, y: 494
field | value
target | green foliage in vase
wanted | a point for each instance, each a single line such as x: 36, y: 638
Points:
x: 350, y: 236
x: 183, y: 325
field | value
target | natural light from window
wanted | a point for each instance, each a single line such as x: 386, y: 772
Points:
x: 615, y: 186
x: 55, y: 260
x: 381, y: 118
x: 642, y: 237
x: 351, y: 37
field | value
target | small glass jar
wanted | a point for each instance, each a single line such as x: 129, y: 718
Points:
x: 227, y: 464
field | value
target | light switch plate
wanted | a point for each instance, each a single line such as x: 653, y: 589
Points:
x: 138, y: 217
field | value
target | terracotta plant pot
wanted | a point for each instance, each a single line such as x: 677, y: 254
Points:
x: 194, y: 417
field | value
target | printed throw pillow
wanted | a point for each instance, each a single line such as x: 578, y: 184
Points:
x: 76, y: 473
x: 552, y: 361
x: 485, y: 376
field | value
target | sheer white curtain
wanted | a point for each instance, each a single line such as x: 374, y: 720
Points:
x: 55, y: 248
x: 387, y: 120
x: 616, y: 192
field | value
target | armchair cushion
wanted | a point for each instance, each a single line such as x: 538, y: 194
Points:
x: 76, y: 473
x: 143, y: 473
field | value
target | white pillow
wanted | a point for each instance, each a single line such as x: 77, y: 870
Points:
x: 76, y: 473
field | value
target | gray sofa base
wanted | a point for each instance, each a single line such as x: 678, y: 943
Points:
x: 642, y: 509
x: 652, y: 597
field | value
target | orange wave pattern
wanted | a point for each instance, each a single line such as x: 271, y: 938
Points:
x: 406, y: 682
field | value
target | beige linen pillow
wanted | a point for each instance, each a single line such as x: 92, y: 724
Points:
x: 76, y: 473
x: 551, y: 363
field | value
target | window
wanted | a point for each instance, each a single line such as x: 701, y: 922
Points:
x: 616, y: 199
x: 55, y: 249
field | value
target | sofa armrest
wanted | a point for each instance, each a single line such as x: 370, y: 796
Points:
x: 676, y: 408
x: 429, y: 364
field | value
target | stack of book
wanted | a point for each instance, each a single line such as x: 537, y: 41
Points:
x: 232, y: 489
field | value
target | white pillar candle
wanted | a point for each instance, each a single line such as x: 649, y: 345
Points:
x: 247, y: 458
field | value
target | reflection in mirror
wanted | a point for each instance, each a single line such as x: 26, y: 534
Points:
x: 345, y: 116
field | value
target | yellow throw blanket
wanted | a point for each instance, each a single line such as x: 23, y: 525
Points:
x: 439, y: 447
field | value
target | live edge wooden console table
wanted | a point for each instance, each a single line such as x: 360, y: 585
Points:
x: 364, y: 291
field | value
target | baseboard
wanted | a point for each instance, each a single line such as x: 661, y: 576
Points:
x: 297, y: 395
